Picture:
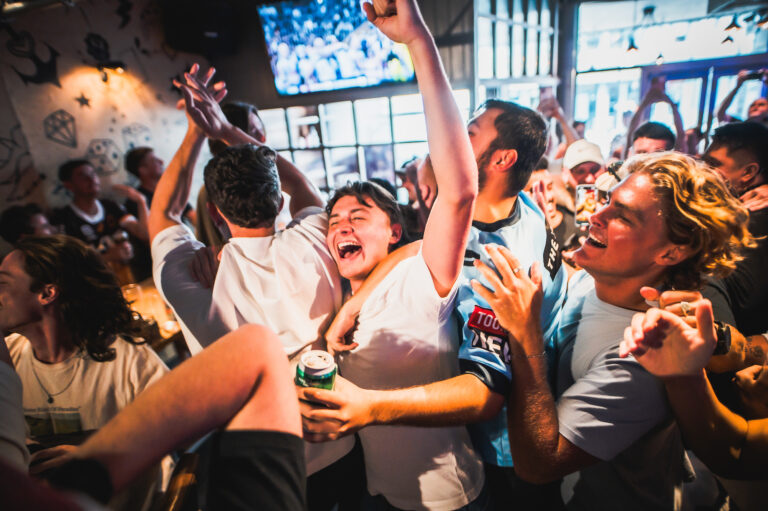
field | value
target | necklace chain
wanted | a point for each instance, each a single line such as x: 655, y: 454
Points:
x: 51, y: 396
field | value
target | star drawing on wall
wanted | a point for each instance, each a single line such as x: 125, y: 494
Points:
x: 83, y: 101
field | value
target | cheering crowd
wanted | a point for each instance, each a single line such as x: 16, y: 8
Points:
x: 497, y: 362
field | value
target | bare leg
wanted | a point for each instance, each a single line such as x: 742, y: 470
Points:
x: 241, y: 381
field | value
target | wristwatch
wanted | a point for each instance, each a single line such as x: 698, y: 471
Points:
x: 723, y: 345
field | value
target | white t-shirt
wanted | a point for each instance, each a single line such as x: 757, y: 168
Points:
x: 13, y: 450
x: 404, y: 341
x: 614, y: 409
x: 86, y: 393
x: 172, y: 251
x: 290, y: 283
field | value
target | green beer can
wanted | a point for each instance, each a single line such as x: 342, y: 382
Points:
x: 316, y: 369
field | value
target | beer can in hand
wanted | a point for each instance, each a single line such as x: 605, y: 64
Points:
x: 316, y: 369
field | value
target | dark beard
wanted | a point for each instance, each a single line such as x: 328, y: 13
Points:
x: 482, y: 166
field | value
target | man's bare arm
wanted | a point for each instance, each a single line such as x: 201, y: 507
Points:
x: 173, y: 188
x: 447, y: 229
x: 459, y: 400
x: 346, y: 317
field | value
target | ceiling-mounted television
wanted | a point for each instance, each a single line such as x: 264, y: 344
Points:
x: 327, y: 45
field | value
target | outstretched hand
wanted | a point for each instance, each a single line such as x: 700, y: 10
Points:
x: 665, y: 345
x: 405, y: 24
x: 515, y: 298
x: 129, y: 192
x: 201, y: 101
x: 756, y: 198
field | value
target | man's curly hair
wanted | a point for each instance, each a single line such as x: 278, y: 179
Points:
x: 90, y: 301
x: 699, y: 213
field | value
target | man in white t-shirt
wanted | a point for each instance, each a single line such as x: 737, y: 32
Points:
x: 285, y: 280
x: 668, y: 224
x: 403, y: 337
x: 69, y: 325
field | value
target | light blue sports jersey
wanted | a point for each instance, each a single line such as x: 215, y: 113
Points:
x: 484, y: 349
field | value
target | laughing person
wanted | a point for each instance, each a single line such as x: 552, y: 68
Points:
x: 402, y: 338
x: 668, y: 224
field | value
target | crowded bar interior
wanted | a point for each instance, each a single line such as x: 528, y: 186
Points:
x: 342, y: 255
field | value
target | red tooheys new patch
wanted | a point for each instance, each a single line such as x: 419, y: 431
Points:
x: 487, y: 334
x: 485, y: 320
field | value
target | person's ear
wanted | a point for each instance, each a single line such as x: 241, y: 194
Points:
x: 48, y: 294
x: 397, y: 233
x: 749, y: 172
x: 218, y: 220
x: 674, y: 254
x: 504, y: 159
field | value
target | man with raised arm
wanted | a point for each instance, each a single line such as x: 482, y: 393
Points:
x: 402, y: 338
x: 507, y: 141
x: 394, y: 345
x: 285, y: 280
x: 653, y: 137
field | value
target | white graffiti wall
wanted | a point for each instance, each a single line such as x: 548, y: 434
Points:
x: 61, y: 96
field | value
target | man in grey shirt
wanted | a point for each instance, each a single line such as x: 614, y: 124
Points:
x: 609, y: 419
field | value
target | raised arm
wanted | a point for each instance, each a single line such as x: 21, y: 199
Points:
x: 172, y: 192
x: 215, y: 125
x: 138, y: 225
x: 447, y: 229
x: 656, y: 94
x: 722, y: 116
x: 551, y: 108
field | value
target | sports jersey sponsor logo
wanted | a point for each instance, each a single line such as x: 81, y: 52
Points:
x: 551, y: 257
x: 470, y: 256
x: 487, y: 333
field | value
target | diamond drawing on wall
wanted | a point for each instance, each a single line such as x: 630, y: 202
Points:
x: 60, y: 127
x: 104, y: 155
x: 136, y: 135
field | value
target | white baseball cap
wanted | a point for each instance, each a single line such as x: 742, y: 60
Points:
x: 582, y: 151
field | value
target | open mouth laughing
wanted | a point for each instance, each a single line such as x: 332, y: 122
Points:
x: 593, y: 241
x: 348, y: 249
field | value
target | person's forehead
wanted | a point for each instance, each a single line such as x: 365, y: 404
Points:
x: 655, y: 143
x: 84, y: 169
x: 351, y: 202
x: 13, y: 265
x: 485, y: 118
x: 635, y: 194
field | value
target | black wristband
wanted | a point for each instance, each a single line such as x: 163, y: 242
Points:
x: 723, y: 339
